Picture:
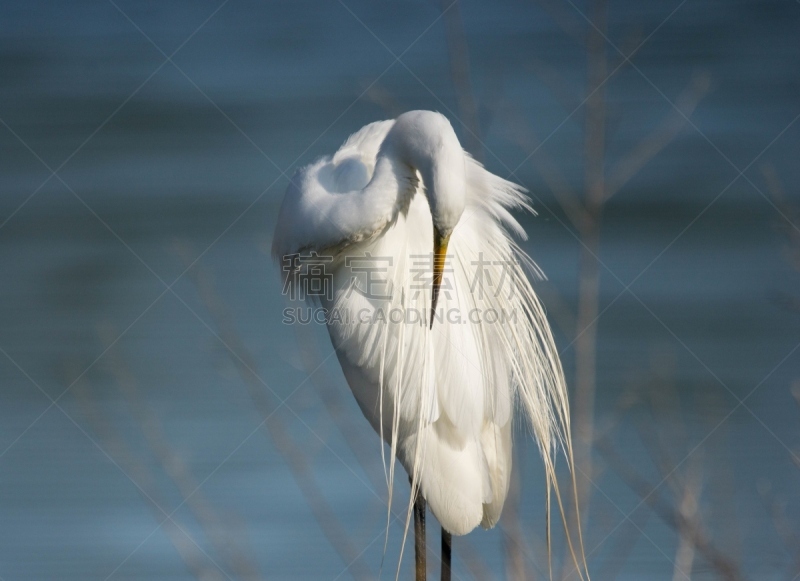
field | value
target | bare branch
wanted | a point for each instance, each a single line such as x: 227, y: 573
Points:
x: 523, y: 135
x: 565, y: 19
x: 649, y: 147
x: 214, y: 525
x: 460, y: 73
x: 644, y: 489
x: 292, y: 453
x: 688, y: 508
x: 197, y: 564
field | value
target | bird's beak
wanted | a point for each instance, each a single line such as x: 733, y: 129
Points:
x: 439, y: 257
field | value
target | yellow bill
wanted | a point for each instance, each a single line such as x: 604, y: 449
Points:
x: 439, y: 257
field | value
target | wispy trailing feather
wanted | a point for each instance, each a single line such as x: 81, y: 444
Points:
x: 441, y: 397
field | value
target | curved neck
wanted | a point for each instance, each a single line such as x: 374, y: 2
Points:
x: 426, y: 143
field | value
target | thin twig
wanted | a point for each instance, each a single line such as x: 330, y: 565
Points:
x: 292, y: 453
x: 216, y: 528
x: 721, y: 562
x: 460, y: 73
x: 663, y: 135
x: 196, y: 563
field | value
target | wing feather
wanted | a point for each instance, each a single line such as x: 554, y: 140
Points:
x: 443, y: 398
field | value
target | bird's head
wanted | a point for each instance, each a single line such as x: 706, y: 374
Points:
x: 426, y: 142
x: 446, y: 198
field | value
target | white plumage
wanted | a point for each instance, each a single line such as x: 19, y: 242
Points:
x: 443, y: 395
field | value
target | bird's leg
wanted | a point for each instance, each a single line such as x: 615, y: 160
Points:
x: 447, y: 549
x: 419, y: 536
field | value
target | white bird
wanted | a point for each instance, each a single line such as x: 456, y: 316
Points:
x: 441, y: 390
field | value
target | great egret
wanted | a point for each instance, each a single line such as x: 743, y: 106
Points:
x: 438, y: 386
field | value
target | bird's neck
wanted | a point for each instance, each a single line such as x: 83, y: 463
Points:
x: 392, y: 186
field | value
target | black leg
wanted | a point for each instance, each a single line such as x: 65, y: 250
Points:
x: 419, y: 537
x: 447, y: 550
